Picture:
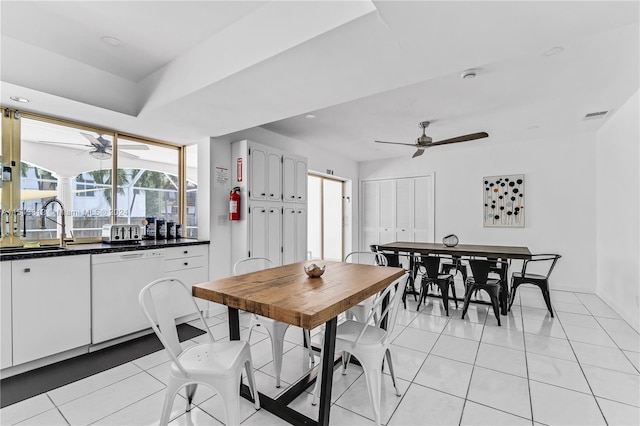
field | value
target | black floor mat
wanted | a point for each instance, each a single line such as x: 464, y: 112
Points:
x: 31, y: 383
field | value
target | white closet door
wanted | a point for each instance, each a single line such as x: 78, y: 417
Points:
x: 258, y: 232
x: 288, y: 235
x: 288, y: 179
x: 423, y: 222
x: 404, y: 210
x: 274, y: 177
x: 301, y: 181
x: 274, y: 238
x: 301, y: 234
x: 258, y: 174
x: 370, y: 213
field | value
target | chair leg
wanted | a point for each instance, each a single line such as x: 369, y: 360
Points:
x: 248, y: 366
x: 228, y: 391
x: 452, y: 283
x: 444, y: 291
x: 172, y: 390
x: 277, y: 333
x: 307, y: 340
x: 495, y: 303
x: 547, y: 300
x: 373, y: 377
x: 191, y: 392
x: 512, y: 293
x: 467, y: 299
x: 393, y: 376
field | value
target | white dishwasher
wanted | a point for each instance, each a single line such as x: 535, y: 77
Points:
x: 117, y: 279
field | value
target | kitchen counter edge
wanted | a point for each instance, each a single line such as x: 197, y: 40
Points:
x: 99, y: 248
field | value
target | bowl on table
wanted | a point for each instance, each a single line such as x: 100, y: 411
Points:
x: 314, y: 271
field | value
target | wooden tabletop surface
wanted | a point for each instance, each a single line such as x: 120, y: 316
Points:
x: 286, y: 293
x: 508, y: 252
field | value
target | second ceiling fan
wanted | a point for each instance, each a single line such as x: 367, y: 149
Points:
x: 425, y: 141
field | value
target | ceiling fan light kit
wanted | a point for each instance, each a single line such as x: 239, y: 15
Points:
x: 425, y: 141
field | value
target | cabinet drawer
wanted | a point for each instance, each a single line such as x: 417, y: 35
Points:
x: 185, y: 263
x: 186, y: 251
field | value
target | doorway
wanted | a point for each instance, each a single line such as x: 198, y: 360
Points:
x: 325, y: 216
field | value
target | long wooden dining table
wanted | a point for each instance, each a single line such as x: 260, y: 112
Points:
x: 488, y: 251
x: 286, y: 293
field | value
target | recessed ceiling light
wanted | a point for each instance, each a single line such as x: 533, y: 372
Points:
x: 310, y: 116
x: 469, y: 74
x: 554, y: 51
x: 112, y: 41
x: 19, y: 99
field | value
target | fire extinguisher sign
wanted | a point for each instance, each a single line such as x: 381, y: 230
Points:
x: 239, y: 169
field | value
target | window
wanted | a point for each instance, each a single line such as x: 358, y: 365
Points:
x: 73, y: 164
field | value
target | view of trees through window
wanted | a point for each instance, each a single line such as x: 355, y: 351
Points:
x: 73, y: 165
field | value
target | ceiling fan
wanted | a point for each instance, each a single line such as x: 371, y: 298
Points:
x: 102, y: 148
x: 425, y: 141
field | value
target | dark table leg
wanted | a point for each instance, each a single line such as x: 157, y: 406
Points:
x: 327, y: 371
x: 234, y: 324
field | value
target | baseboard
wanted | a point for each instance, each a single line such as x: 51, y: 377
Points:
x: 630, y: 318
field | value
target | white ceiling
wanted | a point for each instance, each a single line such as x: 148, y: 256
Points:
x: 187, y: 70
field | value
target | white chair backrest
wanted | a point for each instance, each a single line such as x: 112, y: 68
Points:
x: 251, y: 264
x: 157, y: 300
x: 366, y: 258
x: 395, y: 291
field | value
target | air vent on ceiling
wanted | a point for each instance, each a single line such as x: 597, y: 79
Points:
x: 596, y: 114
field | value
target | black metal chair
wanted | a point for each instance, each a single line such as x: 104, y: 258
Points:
x: 393, y: 259
x: 431, y: 276
x: 457, y: 266
x: 543, y: 263
x: 480, y: 268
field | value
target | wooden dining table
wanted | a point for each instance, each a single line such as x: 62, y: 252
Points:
x: 488, y: 251
x: 287, y: 294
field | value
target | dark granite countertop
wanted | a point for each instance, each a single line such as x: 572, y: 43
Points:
x: 95, y: 248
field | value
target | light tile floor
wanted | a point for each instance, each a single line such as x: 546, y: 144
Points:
x: 579, y: 368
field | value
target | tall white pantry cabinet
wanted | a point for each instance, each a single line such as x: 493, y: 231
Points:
x: 273, y: 204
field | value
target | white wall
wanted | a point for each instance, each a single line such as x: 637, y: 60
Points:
x: 219, y: 230
x: 618, y: 212
x: 559, y: 189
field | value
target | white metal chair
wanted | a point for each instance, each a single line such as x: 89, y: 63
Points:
x: 370, y: 344
x: 362, y: 309
x: 217, y: 365
x: 276, y: 329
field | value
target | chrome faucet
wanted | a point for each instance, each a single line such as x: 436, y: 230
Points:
x: 63, y: 235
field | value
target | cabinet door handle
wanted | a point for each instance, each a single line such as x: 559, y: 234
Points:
x: 186, y: 263
x: 293, y: 196
x: 27, y: 269
x: 185, y: 252
x: 263, y: 194
x: 263, y: 210
x: 299, y: 197
x: 271, y: 195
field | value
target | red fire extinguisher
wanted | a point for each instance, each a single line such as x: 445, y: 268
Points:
x: 234, y: 204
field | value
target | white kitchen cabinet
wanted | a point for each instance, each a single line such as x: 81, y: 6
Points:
x: 294, y: 179
x: 294, y: 224
x: 51, y: 306
x: 6, y: 331
x: 265, y: 232
x: 263, y: 229
x: 265, y: 173
x: 397, y: 210
x: 190, y: 264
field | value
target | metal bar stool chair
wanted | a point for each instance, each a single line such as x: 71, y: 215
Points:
x: 546, y: 262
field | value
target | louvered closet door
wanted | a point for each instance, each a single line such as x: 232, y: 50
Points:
x: 404, y: 210
x: 423, y: 222
x: 387, y: 208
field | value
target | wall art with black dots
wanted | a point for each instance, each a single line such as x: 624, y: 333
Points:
x: 503, y: 201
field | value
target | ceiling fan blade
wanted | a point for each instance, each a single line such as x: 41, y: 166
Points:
x: 92, y: 140
x: 470, y: 137
x: 61, y: 143
x: 418, y: 153
x: 398, y: 143
x: 134, y: 147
